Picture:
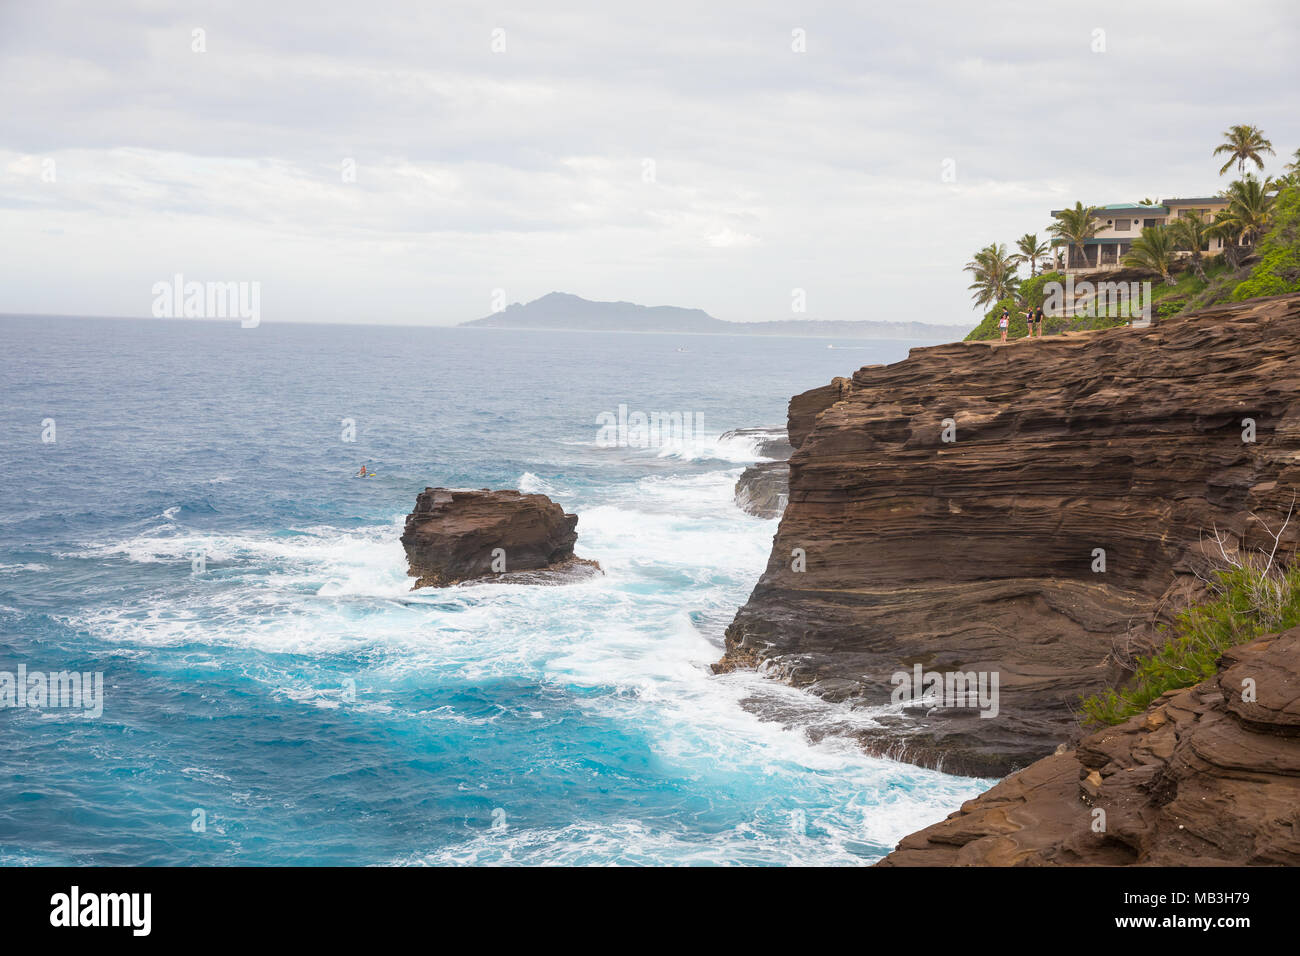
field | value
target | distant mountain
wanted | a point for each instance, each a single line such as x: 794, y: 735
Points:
x: 561, y: 311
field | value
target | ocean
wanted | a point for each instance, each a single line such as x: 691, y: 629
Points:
x: 274, y: 692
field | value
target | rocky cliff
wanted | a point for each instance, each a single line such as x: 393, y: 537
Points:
x: 455, y: 536
x: 1029, y: 511
x: 1202, y: 777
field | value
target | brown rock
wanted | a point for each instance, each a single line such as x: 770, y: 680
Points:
x: 1204, y: 786
x: 454, y: 536
x: 805, y: 408
x: 977, y: 555
x: 762, y: 489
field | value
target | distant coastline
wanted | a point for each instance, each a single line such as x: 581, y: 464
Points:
x: 563, y: 312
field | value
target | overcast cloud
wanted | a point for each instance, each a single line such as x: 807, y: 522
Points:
x: 524, y: 169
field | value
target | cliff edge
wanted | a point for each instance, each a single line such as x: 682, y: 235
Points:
x: 1030, y: 511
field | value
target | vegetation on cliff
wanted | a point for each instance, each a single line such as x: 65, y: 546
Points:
x: 1030, y: 294
x: 1247, y: 602
x: 1278, y: 271
x: 1259, y: 229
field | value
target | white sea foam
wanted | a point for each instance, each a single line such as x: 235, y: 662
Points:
x: 741, y: 449
x: 678, y: 559
x: 737, y: 449
x: 531, y: 484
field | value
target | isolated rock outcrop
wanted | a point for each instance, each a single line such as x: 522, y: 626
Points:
x: 455, y: 536
x: 761, y: 488
x: 1072, y: 512
x: 1203, y: 777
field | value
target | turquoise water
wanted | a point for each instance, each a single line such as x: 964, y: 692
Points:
x: 297, y: 698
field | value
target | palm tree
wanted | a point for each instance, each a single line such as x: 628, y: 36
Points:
x: 1075, y: 226
x: 1243, y: 143
x: 995, y: 274
x: 1291, y: 173
x: 1031, y: 251
x: 1225, y: 227
x: 1190, y: 232
x: 1154, y: 252
x: 1249, y: 213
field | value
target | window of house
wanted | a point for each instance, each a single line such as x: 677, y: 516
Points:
x: 1122, y: 225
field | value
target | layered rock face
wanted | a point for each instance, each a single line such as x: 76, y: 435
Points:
x: 455, y: 536
x: 1073, y: 508
x: 1202, y: 778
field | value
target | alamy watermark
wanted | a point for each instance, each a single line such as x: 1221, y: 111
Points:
x: 956, y: 689
x: 129, y: 910
x: 71, y: 690
x: 1117, y: 299
x: 178, y: 299
x: 647, y: 429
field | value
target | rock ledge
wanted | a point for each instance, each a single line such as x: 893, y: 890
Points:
x: 1202, y: 777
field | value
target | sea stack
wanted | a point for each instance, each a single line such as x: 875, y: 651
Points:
x: 456, y: 536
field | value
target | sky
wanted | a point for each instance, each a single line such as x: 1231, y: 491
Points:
x: 426, y: 162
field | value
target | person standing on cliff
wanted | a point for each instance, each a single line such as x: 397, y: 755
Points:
x: 1004, y: 323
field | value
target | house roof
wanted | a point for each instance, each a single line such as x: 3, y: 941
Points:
x: 1160, y: 210
x: 1105, y: 241
x: 1123, y: 207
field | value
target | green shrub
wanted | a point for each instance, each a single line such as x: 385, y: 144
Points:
x: 1167, y: 307
x: 1247, y: 602
x: 1278, y: 271
x: 1031, y: 290
x: 988, y: 328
